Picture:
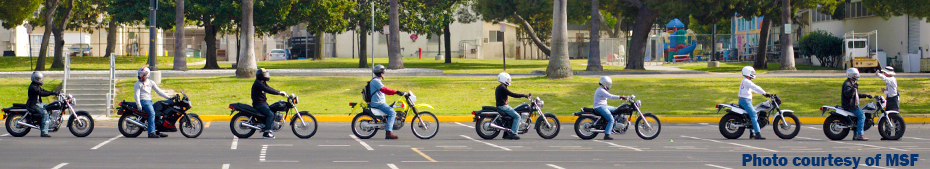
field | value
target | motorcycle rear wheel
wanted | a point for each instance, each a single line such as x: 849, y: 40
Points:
x: 79, y: 130
x: 237, y: 129
x: 191, y: 126
x: 887, y: 132
x: 728, y: 131
x: 429, y: 128
x: 834, y: 132
x: 583, y: 128
x: 308, y: 126
x: 791, y: 128
x: 548, y: 132
x: 14, y: 129
x: 129, y: 130
x: 484, y: 130
x: 360, y: 131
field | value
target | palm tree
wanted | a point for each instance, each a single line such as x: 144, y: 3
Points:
x: 246, y: 67
x: 559, y: 65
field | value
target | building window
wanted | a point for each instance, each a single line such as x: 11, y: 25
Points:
x: 495, y: 36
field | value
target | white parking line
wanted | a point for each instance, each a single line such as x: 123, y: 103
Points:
x: 362, y: 142
x: 815, y: 128
x: 460, y: 124
x: 869, y: 145
x: 917, y: 138
x: 716, y: 166
x: 617, y: 145
x: 235, y: 143
x: 333, y: 145
x: 741, y: 145
x: 225, y: 166
x: 105, y: 142
x: 350, y: 161
x: 393, y: 166
x: 492, y: 145
x: 261, y: 157
x: 808, y: 138
x: 4, y: 135
x: 60, y: 165
x: 875, y: 166
x: 554, y: 166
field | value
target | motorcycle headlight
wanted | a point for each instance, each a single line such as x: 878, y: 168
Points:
x: 540, y: 103
x: 413, y: 99
x: 639, y: 103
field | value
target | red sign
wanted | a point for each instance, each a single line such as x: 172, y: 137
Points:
x: 413, y: 37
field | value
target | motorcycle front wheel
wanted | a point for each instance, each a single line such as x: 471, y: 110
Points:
x: 728, y: 126
x: 191, y: 126
x: 235, y: 125
x: 305, y: 129
x: 888, y: 132
x: 428, y: 128
x: 81, y: 125
x: 651, y: 131
x: 128, y: 129
x: 484, y: 129
x: 548, y: 132
x: 787, y: 129
x: 833, y: 127
x: 14, y: 129
x: 362, y: 126
x: 583, y: 127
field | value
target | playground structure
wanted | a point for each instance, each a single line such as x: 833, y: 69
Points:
x: 679, y: 44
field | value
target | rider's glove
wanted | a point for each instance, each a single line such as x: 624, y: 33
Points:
x: 868, y: 96
x: 283, y: 93
x: 401, y: 93
x: 767, y: 95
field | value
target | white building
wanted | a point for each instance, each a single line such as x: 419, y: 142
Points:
x: 15, y: 39
x: 479, y: 40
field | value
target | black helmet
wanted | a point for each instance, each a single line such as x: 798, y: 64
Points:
x: 262, y: 74
x: 378, y: 70
x: 38, y: 77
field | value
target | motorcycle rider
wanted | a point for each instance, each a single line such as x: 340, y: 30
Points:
x: 143, y: 96
x: 850, y: 99
x: 501, y: 97
x: 891, y: 88
x: 35, y: 99
x: 378, y: 90
x: 600, y: 104
x: 260, y: 102
x: 746, y: 88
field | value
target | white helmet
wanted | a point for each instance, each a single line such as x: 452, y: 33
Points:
x: 750, y: 72
x: 143, y: 73
x: 503, y: 77
x: 606, y: 82
x: 852, y: 73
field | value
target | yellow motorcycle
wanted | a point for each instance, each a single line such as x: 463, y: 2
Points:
x: 424, y: 124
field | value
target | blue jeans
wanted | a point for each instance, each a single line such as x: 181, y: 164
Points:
x: 512, y: 113
x: 269, y: 116
x: 150, y: 109
x: 753, y: 117
x: 605, y: 111
x: 40, y: 108
x: 389, y: 111
x: 861, y: 116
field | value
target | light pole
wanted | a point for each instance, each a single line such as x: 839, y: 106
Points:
x: 503, y: 46
x: 153, y: 4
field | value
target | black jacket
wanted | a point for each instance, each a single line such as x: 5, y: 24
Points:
x: 36, y: 92
x: 259, y: 89
x: 850, y: 94
x: 501, y: 93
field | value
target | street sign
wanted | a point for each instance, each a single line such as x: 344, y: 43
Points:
x: 387, y: 29
x: 787, y: 28
x: 413, y: 37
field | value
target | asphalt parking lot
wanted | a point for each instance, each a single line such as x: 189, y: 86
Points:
x: 456, y: 146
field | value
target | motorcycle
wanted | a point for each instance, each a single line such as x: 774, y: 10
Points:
x: 249, y: 119
x: 20, y: 118
x: 168, y: 112
x: 590, y: 122
x: 424, y: 124
x: 890, y: 124
x: 736, y: 121
x: 489, y: 121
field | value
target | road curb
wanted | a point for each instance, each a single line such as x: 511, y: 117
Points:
x: 569, y: 119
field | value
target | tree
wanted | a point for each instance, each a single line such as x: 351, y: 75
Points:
x: 594, y: 57
x: 559, y: 65
x: 49, y: 10
x: 435, y: 16
x: 215, y: 16
x: 825, y: 46
x: 533, y: 16
x: 63, y: 17
x: 16, y: 12
x: 180, y: 57
x: 888, y: 8
x: 246, y: 67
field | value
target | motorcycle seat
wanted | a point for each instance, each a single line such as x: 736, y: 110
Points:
x: 490, y: 108
x: 247, y: 108
x: 587, y: 109
x: 19, y: 105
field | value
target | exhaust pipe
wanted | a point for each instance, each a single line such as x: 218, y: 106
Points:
x: 134, y: 122
x: 597, y: 131
x: 492, y: 125
x: 375, y: 125
x: 250, y: 126
x: 27, y: 124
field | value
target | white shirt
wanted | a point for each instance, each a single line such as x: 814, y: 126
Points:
x: 891, y: 85
x: 600, y: 97
x: 143, y: 91
x: 748, y: 86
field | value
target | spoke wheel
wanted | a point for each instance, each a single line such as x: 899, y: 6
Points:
x: 363, y: 126
x: 305, y: 126
x: 81, y: 125
x: 583, y: 127
x: 650, y: 131
x: 191, y: 126
x: 428, y: 128
x: 15, y: 129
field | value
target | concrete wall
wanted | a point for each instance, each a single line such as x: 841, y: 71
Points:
x: 14, y: 39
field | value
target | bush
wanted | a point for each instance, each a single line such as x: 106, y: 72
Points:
x: 827, y: 48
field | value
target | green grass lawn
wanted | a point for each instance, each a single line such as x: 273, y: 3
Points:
x: 457, y: 66
x: 461, y: 95
x: 737, y: 67
x: 93, y: 63
x: 14, y: 90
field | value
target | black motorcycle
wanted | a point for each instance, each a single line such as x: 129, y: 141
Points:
x: 890, y: 124
x: 168, y: 112
x: 490, y: 121
x: 590, y: 122
x: 20, y: 118
x: 249, y: 119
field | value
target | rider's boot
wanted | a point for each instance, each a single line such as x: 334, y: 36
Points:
x: 45, y: 135
x: 758, y: 136
x: 512, y: 136
x: 860, y: 138
x: 160, y: 134
x: 607, y: 137
x: 390, y: 135
x: 153, y: 135
x: 268, y: 135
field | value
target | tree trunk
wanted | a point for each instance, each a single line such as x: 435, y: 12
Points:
x: 180, y: 57
x: 363, y: 46
x: 559, y: 65
x: 532, y: 34
x: 448, y: 38
x: 594, y: 53
x: 787, y: 47
x: 320, y: 47
x: 51, y: 6
x: 760, y: 62
x: 210, y: 38
x: 641, y: 27
x: 57, y: 62
x: 111, y: 37
x: 246, y: 67
x: 395, y: 59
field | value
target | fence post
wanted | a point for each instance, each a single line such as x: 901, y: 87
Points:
x: 110, y: 84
